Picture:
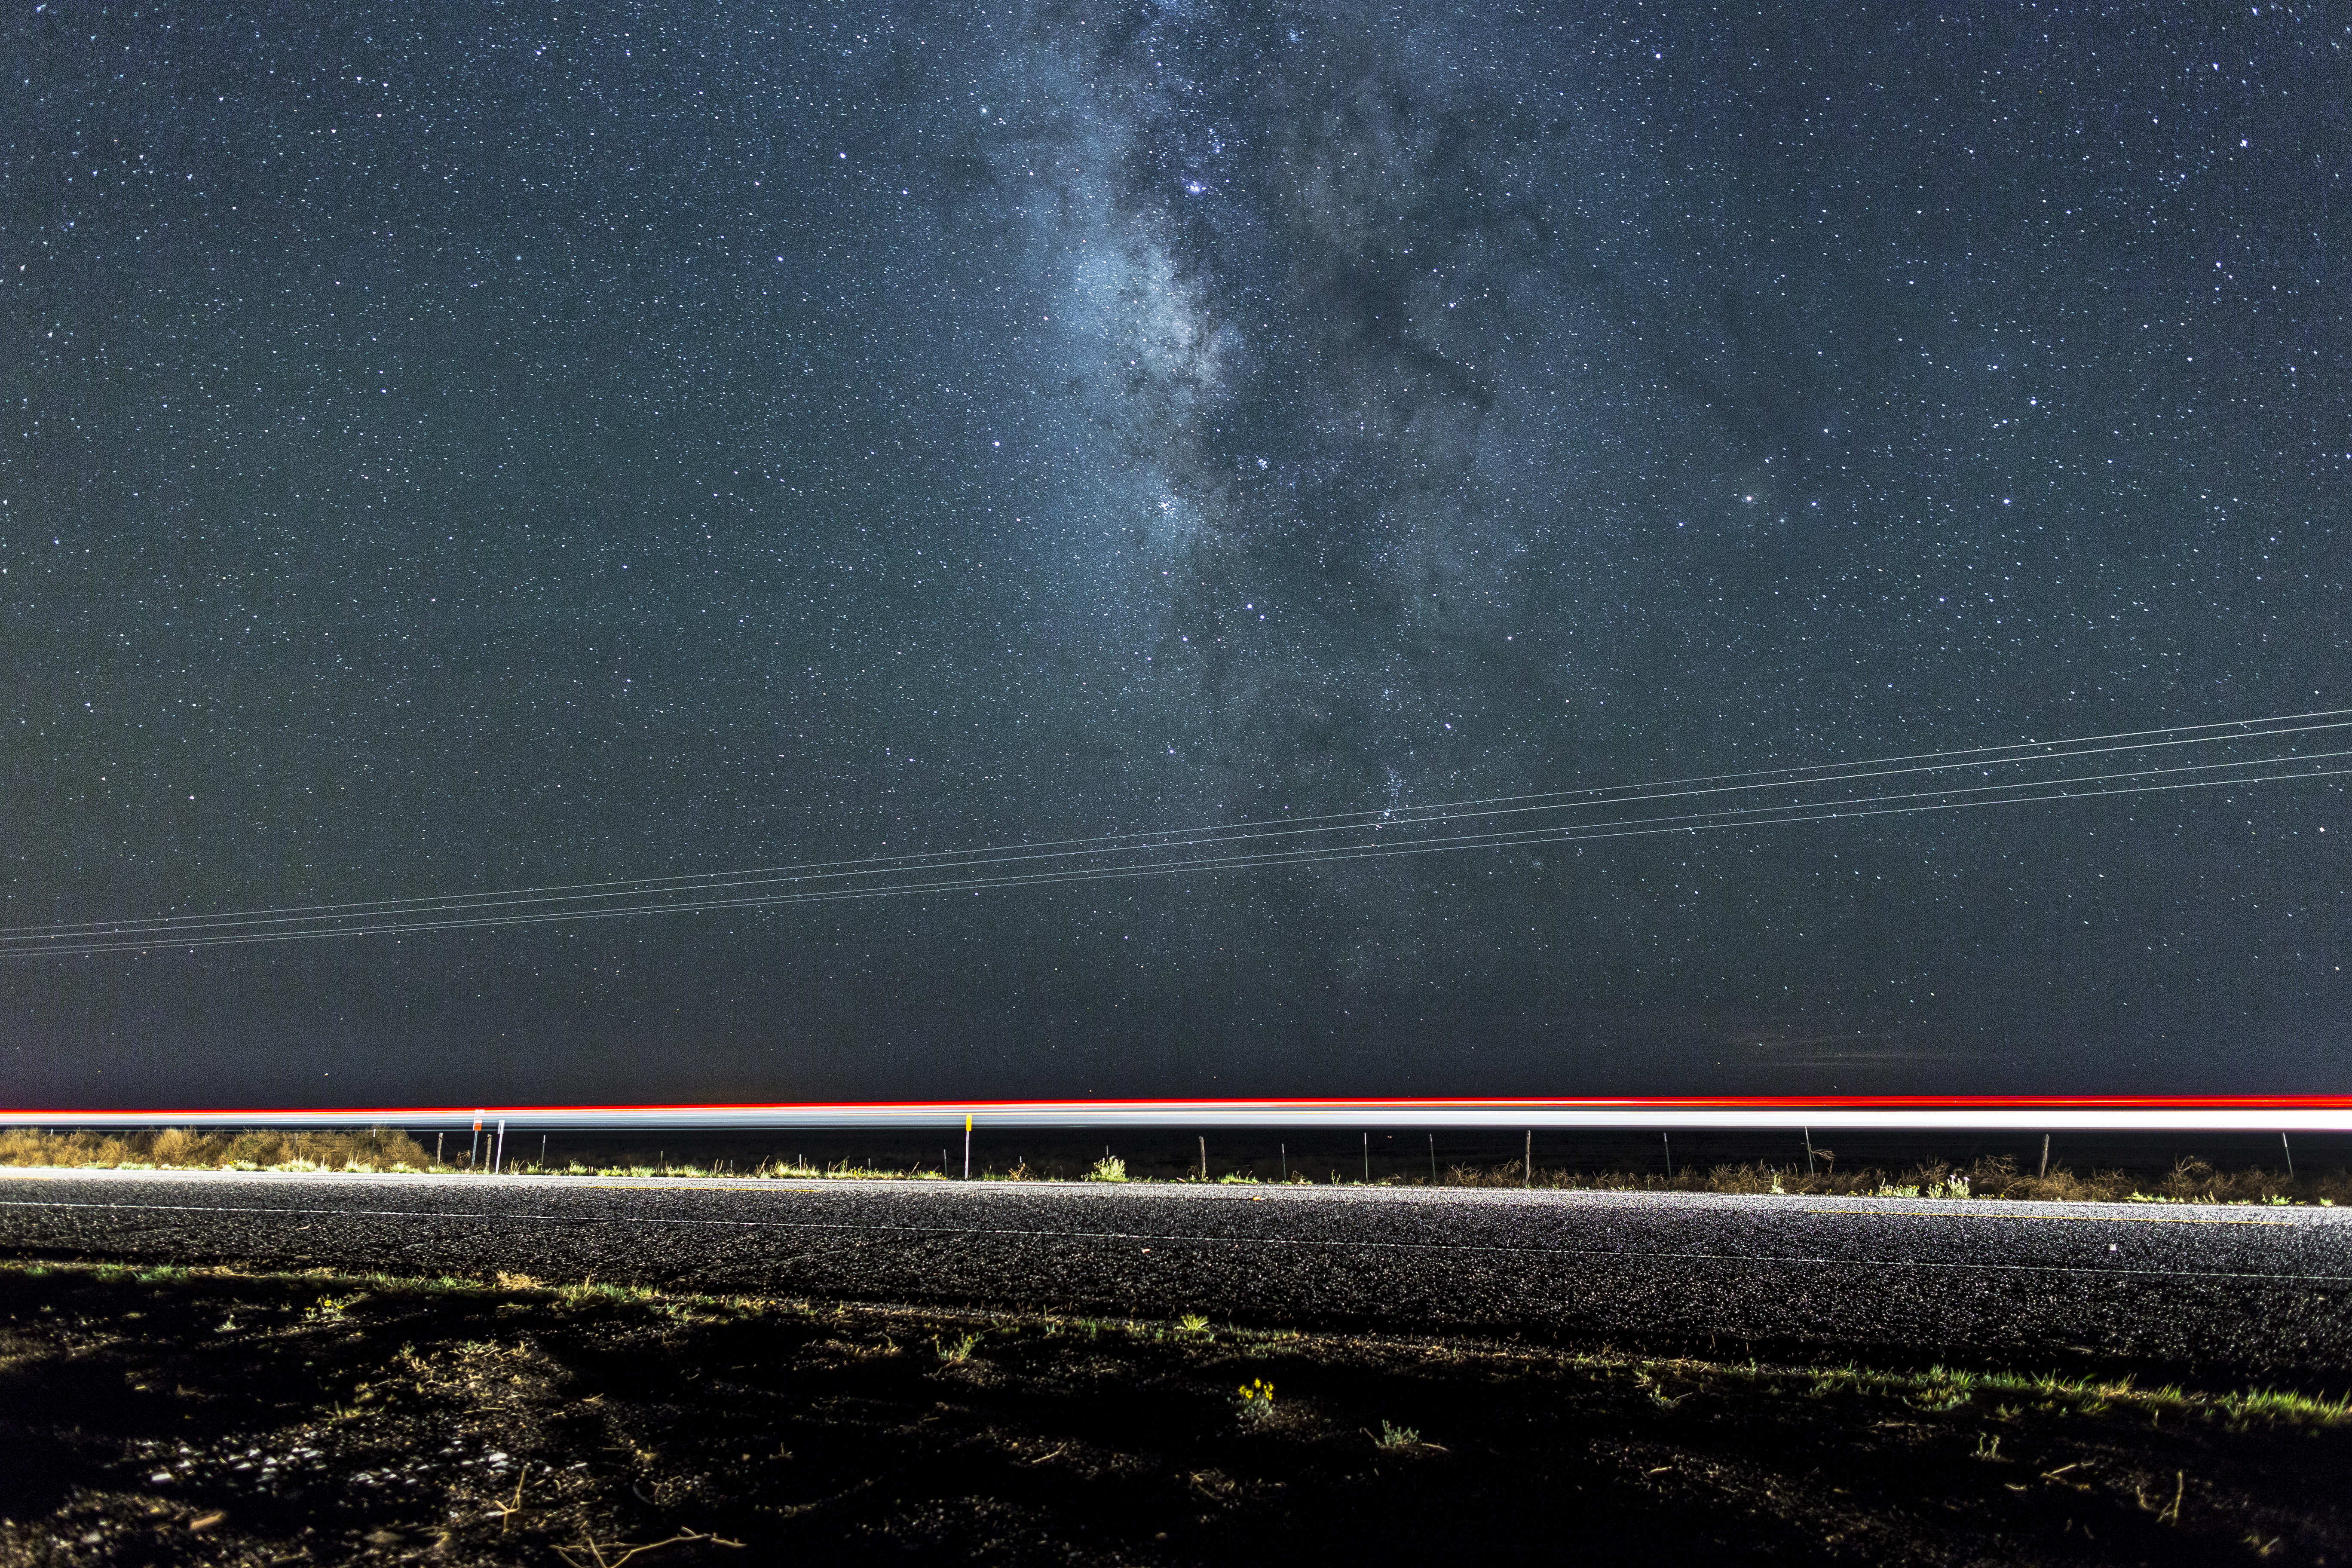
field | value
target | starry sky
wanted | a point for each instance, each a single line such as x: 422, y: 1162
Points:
x: 469, y: 447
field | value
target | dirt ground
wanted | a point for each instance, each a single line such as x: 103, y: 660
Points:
x: 214, y: 1418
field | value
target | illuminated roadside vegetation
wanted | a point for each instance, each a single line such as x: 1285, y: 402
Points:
x: 336, y: 1296
x: 2189, y: 1182
x: 373, y: 1148
x: 392, y: 1151
x: 185, y: 1149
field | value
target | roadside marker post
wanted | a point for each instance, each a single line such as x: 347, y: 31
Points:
x: 1527, y: 1161
x: 1666, y: 1139
x: 967, y: 1145
x: 2289, y: 1153
x: 2045, y: 1155
x: 1808, y: 1151
x: 498, y: 1150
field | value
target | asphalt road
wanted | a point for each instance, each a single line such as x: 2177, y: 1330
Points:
x: 2206, y: 1294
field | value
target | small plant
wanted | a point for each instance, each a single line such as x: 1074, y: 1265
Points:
x: 331, y: 1308
x: 957, y: 1353
x: 1403, y: 1440
x: 1109, y: 1168
x: 1256, y: 1401
x: 1652, y: 1385
x: 1193, y: 1323
x: 1943, y: 1388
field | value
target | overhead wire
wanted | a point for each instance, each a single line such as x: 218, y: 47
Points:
x: 1821, y: 772
x: 874, y: 866
x: 993, y: 869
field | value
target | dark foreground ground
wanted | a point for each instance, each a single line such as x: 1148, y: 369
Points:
x: 169, y: 1417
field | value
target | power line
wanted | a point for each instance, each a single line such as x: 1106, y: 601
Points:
x: 638, y: 889
x: 1035, y: 865
x: 2011, y: 754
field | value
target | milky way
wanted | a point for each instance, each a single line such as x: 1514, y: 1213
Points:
x: 554, y: 443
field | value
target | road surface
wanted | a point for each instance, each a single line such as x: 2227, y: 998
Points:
x: 2209, y: 1294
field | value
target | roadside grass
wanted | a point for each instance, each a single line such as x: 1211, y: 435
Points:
x: 2189, y: 1182
x: 334, y: 1297
x: 251, y: 1149
x: 390, y: 1149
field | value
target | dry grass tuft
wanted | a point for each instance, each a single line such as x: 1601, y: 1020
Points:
x: 184, y: 1149
x: 2189, y: 1182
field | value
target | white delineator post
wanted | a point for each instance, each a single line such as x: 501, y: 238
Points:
x: 967, y: 1145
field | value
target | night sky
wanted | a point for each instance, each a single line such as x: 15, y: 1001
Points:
x: 457, y: 447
